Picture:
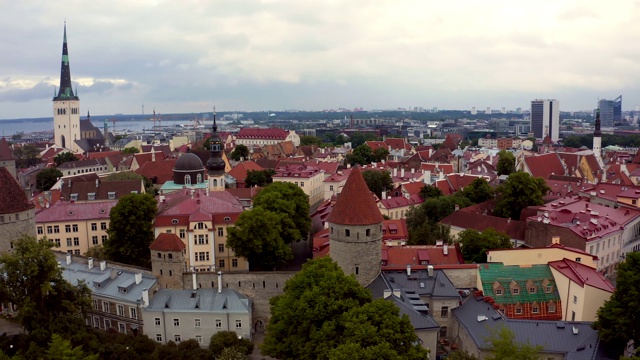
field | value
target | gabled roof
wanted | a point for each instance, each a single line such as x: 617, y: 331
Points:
x: 413, y: 188
x: 397, y: 143
x: 162, y: 170
x: 470, y: 220
x: 356, y: 204
x: 12, y: 197
x: 492, y: 273
x: 5, y: 150
x: 544, y: 165
x: 239, y: 172
x: 269, y: 133
x: 582, y: 274
x: 167, y: 242
x: 66, y: 211
x: 401, y: 201
x: 206, y: 301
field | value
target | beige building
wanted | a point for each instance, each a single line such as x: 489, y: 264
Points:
x: 584, y: 289
x: 75, y: 227
x: 541, y: 256
x: 309, y: 179
x: 396, y: 207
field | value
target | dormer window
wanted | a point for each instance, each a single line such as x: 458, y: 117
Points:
x: 74, y: 197
x: 549, y: 289
x: 532, y: 290
x: 201, y: 226
x: 174, y: 221
x: 499, y: 292
x: 111, y: 195
x: 515, y: 291
x: 91, y: 196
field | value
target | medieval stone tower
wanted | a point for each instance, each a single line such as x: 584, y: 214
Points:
x: 355, y: 230
x: 215, y: 164
x: 167, y: 260
x: 66, y: 106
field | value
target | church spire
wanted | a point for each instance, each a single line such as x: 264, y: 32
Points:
x: 215, y: 164
x: 65, y: 91
x: 597, y: 132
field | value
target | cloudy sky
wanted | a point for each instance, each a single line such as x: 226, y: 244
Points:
x: 188, y: 55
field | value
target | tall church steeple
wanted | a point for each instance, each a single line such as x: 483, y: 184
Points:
x: 65, y: 92
x: 66, y: 106
x: 215, y: 164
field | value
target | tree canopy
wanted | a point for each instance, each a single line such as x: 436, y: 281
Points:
x: 46, y: 302
x: 27, y: 155
x: 130, y: 150
x: 505, y: 346
x: 241, y: 151
x: 618, y: 318
x: 47, y: 178
x: 310, y: 140
x: 361, y: 155
x: 324, y: 314
x: 478, y: 191
x: 229, y: 339
x: 423, y: 221
x: 256, y: 236
x: 474, y: 244
x: 428, y: 191
x: 378, y: 181
x: 506, y: 162
x: 521, y: 190
x: 292, y: 205
x: 64, y: 157
x: 131, y: 230
x: 259, y: 177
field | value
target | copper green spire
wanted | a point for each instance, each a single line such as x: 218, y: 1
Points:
x: 66, y: 91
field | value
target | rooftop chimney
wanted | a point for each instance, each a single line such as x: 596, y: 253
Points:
x: 219, y: 282
x: 145, y: 298
x: 138, y: 277
x: 68, y: 259
x: 90, y: 263
x: 194, y: 280
x: 408, y: 269
x: 430, y: 270
x: 445, y: 249
x: 97, y: 182
x: 103, y: 265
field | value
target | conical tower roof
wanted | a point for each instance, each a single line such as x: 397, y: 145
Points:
x: 355, y: 204
x: 66, y: 91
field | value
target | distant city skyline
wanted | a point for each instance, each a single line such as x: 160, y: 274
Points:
x: 182, y: 57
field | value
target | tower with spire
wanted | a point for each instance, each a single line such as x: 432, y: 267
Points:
x: 66, y: 106
x: 597, y: 138
x: 215, y: 164
x: 355, y: 234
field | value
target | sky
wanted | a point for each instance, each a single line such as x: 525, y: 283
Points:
x: 187, y: 56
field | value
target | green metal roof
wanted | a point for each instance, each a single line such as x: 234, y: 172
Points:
x: 505, y: 275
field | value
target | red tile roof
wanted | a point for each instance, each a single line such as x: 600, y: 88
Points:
x: 167, y: 242
x: 413, y: 188
x: 436, y: 167
x: 70, y: 211
x: 12, y: 197
x: 270, y: 133
x: 401, y: 201
x: 582, y: 274
x: 356, y: 204
x: 397, y: 143
x: 376, y: 144
x: 163, y: 170
x: 544, y: 165
x: 5, y: 150
x: 470, y: 220
x: 398, y: 257
x: 239, y: 172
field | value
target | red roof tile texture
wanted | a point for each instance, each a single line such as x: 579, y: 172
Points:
x: 5, y: 150
x: 12, y: 197
x: 167, y: 242
x: 271, y: 133
x: 355, y: 205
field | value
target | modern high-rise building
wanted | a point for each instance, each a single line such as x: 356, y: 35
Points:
x: 610, y: 111
x: 545, y: 119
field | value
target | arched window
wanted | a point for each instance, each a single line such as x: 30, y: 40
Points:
x: 187, y: 179
x: 199, y: 178
x: 215, y: 183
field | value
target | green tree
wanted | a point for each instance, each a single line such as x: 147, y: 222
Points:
x: 505, y: 346
x: 229, y: 339
x: 474, y: 244
x: 361, y: 155
x: 61, y: 349
x: 291, y: 204
x: 428, y: 191
x: 618, y: 318
x: 131, y: 230
x: 380, y: 154
x: 518, y: 192
x: 378, y: 181
x: 310, y: 140
x: 130, y: 150
x: 17, y: 136
x: 27, y: 155
x: 239, y: 152
x: 256, y: 237
x: 322, y: 309
x: 478, y: 191
x: 506, y: 162
x: 259, y: 177
x: 46, y: 302
x: 64, y: 157
x: 423, y: 221
x: 231, y: 353
x: 340, y: 140
x: 47, y: 178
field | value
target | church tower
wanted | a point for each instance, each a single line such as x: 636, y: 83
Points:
x: 215, y: 164
x: 66, y: 106
x: 355, y: 234
x: 597, y: 138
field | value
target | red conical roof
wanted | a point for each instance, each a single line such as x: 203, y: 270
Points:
x: 167, y: 242
x: 5, y: 150
x: 355, y: 204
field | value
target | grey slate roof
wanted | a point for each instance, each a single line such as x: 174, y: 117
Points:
x: 553, y: 336
x: 438, y: 286
x: 100, y: 282
x: 201, y: 300
x: 418, y: 320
